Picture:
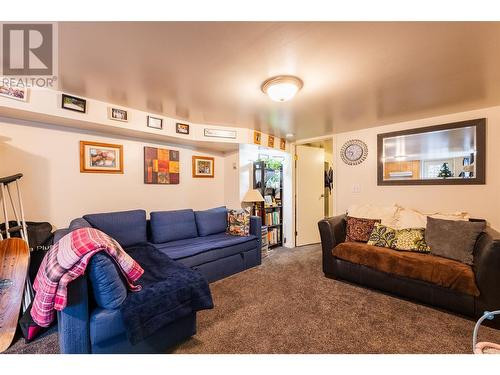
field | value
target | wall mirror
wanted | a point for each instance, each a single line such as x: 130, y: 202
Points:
x: 449, y: 154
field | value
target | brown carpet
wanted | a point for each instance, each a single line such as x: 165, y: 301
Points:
x: 288, y: 306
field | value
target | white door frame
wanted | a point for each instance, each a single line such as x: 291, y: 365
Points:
x: 293, y: 149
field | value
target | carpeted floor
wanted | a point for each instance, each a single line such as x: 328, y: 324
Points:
x: 288, y: 306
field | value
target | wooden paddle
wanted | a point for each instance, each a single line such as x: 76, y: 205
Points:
x: 14, y: 261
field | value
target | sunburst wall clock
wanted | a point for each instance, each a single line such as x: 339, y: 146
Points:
x: 354, y: 152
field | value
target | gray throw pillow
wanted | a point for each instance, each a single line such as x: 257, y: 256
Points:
x: 453, y: 239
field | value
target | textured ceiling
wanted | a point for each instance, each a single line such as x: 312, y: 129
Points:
x: 356, y: 75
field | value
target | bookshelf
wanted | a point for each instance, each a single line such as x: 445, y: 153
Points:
x: 268, y: 179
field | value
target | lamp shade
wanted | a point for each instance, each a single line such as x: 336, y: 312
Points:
x: 253, y: 195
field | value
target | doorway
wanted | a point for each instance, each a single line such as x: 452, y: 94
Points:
x: 313, y: 183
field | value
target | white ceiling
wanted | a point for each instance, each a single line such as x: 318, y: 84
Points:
x: 356, y: 75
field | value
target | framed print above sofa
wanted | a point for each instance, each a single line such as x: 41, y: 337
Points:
x: 96, y: 157
x: 203, y: 167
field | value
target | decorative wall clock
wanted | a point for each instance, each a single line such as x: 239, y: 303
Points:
x: 354, y: 152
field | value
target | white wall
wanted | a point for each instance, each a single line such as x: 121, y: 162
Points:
x: 54, y: 190
x: 481, y: 201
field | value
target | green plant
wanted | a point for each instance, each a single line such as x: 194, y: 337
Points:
x: 273, y: 164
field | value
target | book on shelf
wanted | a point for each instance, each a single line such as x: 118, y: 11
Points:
x: 273, y: 236
x: 273, y: 218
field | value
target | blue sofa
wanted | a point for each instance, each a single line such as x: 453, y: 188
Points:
x: 92, y: 322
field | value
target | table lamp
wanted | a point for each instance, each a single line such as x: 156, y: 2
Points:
x: 253, y: 196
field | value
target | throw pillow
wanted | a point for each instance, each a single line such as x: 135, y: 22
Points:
x: 359, y: 229
x: 238, y: 222
x: 453, y: 239
x: 412, y: 239
x: 385, y: 214
x: 382, y: 236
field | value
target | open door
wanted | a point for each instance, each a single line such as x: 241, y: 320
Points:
x: 310, y: 191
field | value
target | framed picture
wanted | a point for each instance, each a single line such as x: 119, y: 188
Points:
x: 219, y: 133
x: 161, y: 166
x: 257, y: 137
x: 16, y: 93
x: 282, y: 144
x: 270, y: 141
x: 117, y: 114
x: 98, y: 157
x: 73, y: 103
x: 182, y: 128
x: 155, y: 122
x: 263, y: 157
x: 203, y: 166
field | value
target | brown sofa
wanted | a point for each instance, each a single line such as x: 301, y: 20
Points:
x: 433, y: 280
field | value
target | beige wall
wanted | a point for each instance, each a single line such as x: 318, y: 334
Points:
x: 54, y: 189
x: 481, y: 201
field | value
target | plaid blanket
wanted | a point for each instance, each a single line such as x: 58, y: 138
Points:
x: 66, y: 261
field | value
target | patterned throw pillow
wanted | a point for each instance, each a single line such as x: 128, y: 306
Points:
x: 411, y: 240
x: 238, y: 222
x: 358, y: 229
x: 382, y: 236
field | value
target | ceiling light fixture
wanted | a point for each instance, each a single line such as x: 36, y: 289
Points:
x: 282, y: 88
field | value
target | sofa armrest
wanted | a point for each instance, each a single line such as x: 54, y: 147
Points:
x: 487, y: 270
x: 255, y: 229
x: 73, y: 323
x: 332, y: 232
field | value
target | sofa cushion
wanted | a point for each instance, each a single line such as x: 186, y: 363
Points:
x: 411, y: 239
x: 106, y: 282
x: 358, y: 229
x: 238, y: 222
x: 453, y: 239
x: 172, y: 225
x: 433, y: 269
x: 386, y: 214
x: 195, y: 251
x: 211, y: 221
x: 126, y: 227
x: 382, y: 236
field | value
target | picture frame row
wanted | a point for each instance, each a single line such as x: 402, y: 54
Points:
x: 257, y: 139
x: 161, y: 166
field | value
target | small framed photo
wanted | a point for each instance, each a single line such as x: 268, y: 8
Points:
x: 257, y: 137
x: 73, y: 103
x: 117, y: 114
x: 182, y: 128
x: 16, y: 93
x: 270, y: 141
x: 282, y: 144
x: 96, y: 157
x: 155, y: 122
x: 203, y: 167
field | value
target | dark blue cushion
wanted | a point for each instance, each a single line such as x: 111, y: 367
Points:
x: 172, y: 225
x: 200, y: 250
x: 107, y: 284
x: 127, y: 227
x: 211, y: 221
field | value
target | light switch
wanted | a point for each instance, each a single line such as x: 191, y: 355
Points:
x: 356, y: 188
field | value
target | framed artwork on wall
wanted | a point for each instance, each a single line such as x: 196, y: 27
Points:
x: 161, y: 166
x: 257, y: 137
x: 16, y: 93
x: 203, y: 167
x: 220, y: 133
x: 96, y: 157
x: 155, y: 122
x: 270, y: 141
x: 182, y: 128
x: 117, y: 114
x: 72, y: 103
x: 282, y: 144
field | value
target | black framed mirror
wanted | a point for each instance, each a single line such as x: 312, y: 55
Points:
x: 448, y: 154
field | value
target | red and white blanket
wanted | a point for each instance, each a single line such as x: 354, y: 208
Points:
x: 66, y: 261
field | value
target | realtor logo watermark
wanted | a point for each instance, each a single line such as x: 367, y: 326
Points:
x: 29, y: 54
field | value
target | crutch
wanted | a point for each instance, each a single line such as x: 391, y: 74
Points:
x: 20, y: 221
